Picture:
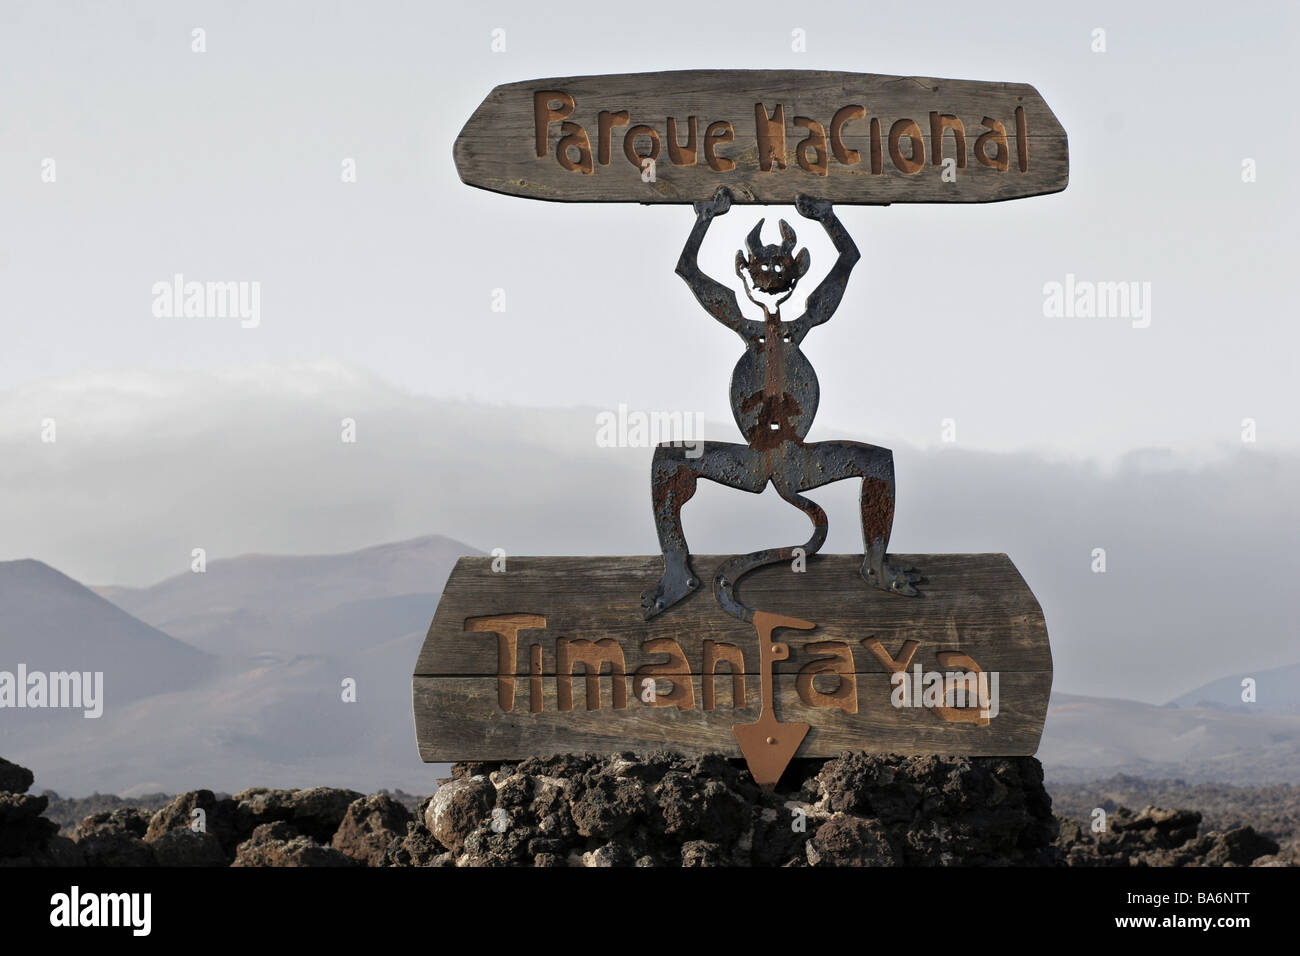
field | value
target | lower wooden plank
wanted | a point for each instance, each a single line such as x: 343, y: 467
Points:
x: 460, y: 718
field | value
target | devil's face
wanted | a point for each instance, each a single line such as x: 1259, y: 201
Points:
x: 773, y: 269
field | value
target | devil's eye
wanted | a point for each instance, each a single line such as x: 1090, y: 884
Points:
x: 764, y: 267
x: 777, y: 268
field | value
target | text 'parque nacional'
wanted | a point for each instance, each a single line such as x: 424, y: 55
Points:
x: 765, y: 134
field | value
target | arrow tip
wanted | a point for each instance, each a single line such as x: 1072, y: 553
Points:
x: 768, y: 748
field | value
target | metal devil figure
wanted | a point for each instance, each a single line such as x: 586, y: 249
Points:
x: 774, y: 396
x: 495, y: 677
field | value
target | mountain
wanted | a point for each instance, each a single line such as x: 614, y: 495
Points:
x: 281, y: 635
x: 1277, y: 691
x: 49, y: 622
x: 300, y: 604
x: 261, y: 703
x: 277, y: 723
x: 1087, y: 738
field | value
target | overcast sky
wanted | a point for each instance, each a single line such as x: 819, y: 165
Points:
x: 226, y: 165
x: 376, y: 295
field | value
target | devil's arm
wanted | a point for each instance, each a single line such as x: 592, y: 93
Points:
x: 718, y: 300
x: 825, y: 299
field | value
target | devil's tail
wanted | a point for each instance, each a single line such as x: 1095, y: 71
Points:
x: 731, y: 570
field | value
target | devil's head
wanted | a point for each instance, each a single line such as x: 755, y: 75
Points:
x: 773, y: 269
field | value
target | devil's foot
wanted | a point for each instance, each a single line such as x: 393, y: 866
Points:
x: 677, y: 582
x: 892, y: 579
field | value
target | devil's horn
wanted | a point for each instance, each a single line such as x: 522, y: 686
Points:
x: 787, y: 238
x: 753, y: 241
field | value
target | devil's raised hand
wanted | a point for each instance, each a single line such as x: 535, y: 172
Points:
x: 812, y: 208
x: 717, y: 206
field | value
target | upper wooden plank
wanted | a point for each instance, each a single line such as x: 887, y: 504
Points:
x: 842, y: 136
x: 977, y: 604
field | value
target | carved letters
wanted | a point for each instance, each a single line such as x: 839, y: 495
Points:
x: 554, y: 655
x: 827, y: 679
x: 568, y: 142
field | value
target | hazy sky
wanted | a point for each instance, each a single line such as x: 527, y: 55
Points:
x: 1201, y: 562
x: 376, y: 301
x: 226, y: 165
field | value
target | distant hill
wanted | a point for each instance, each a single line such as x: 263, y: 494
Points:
x: 1087, y: 738
x: 49, y: 622
x: 300, y: 604
x: 278, y: 723
x: 1277, y: 690
x: 283, y: 633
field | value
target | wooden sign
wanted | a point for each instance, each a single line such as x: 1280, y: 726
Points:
x: 810, y: 655
x: 553, y: 655
x: 767, y: 135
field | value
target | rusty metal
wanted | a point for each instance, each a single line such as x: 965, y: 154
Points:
x: 774, y: 394
x: 767, y: 743
x: 772, y: 268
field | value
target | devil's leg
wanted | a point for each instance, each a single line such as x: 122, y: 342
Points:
x: 731, y: 570
x: 674, y: 472
x: 824, y: 462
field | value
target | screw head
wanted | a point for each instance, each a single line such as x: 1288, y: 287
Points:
x: 771, y: 740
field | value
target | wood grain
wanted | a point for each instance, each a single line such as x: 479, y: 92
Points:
x: 498, y: 147
x: 976, y: 605
x: 457, y: 719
